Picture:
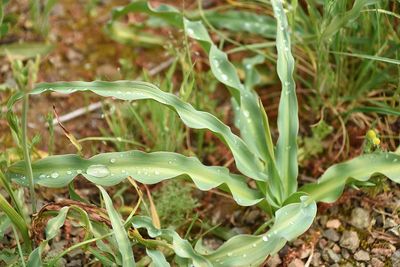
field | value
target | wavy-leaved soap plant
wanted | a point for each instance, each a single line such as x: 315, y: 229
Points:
x: 274, y: 168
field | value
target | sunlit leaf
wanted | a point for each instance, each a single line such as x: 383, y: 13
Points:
x: 111, y: 168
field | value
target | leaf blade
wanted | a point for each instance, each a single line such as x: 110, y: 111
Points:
x: 119, y: 231
x: 148, y: 168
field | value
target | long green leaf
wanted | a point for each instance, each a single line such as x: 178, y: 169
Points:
x: 124, y: 244
x: 288, y: 121
x: 331, y: 184
x: 111, y: 168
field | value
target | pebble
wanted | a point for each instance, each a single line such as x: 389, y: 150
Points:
x: 322, y: 243
x: 332, y: 235
x: 296, y: 263
x: 377, y: 263
x: 335, y: 224
x: 274, y: 261
x: 360, y: 218
x: 361, y: 255
x: 333, y: 256
x: 336, y: 248
x: 350, y: 240
x: 345, y: 253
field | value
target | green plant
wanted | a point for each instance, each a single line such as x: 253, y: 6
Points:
x: 174, y: 203
x: 273, y: 168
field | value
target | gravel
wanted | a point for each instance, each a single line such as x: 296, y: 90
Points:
x: 360, y: 218
x: 332, y: 235
x: 362, y: 255
x: 350, y: 240
x: 335, y: 224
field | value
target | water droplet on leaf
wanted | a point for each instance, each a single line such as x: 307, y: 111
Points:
x: 98, y: 171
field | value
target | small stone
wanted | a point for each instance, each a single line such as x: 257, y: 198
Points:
x: 396, y: 258
x: 296, y: 263
x: 345, y: 253
x: 332, y: 235
x: 336, y: 248
x: 335, y: 224
x: 375, y: 262
x: 322, y: 243
x: 333, y: 256
x: 360, y: 218
x: 350, y: 240
x: 361, y: 255
x: 316, y: 259
x: 274, y: 261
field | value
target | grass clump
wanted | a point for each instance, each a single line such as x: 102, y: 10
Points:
x: 174, y: 203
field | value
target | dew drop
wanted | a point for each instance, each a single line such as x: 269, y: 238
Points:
x: 54, y: 175
x: 254, y: 245
x: 246, y: 113
x: 190, y: 31
x: 244, y: 255
x: 157, y: 172
x: 113, y: 160
x: 224, y: 77
x: 69, y: 172
x: 42, y: 176
x: 265, y: 238
x: 170, y: 162
x: 79, y: 171
x: 229, y: 254
x: 98, y: 170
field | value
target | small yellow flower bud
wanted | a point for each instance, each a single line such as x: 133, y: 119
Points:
x: 376, y: 141
x: 371, y: 134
